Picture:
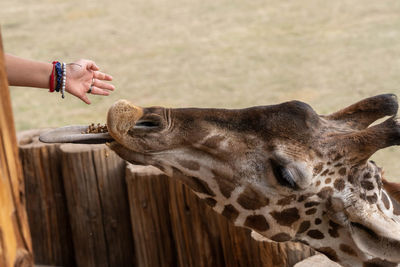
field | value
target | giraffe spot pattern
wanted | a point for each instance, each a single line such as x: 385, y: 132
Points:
x: 230, y: 212
x: 367, y: 185
x: 328, y: 180
x: 189, y: 164
x: 199, y: 186
x: 333, y: 231
x: 342, y: 171
x: 210, y: 201
x: 311, y: 204
x: 318, y: 168
x: 329, y: 252
x: 286, y: 217
x: 339, y: 184
x: 303, y: 227
x: 257, y: 222
x: 311, y: 211
x: 252, y: 199
x: 281, y: 237
x: 376, y: 262
x: 348, y: 250
x: 325, y: 192
x: 316, y: 234
x: 318, y: 221
x: 372, y: 199
x: 325, y: 172
x: 225, y: 183
x: 286, y: 200
x: 351, y: 179
x: 304, y: 197
x: 367, y: 175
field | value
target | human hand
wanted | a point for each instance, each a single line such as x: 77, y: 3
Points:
x: 80, y: 76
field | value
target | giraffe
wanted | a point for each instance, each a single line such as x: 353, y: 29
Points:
x: 283, y: 171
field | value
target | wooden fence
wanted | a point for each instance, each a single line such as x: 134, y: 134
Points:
x: 87, y: 207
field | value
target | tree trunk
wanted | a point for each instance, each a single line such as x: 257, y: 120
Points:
x: 173, y: 227
x: 15, y: 241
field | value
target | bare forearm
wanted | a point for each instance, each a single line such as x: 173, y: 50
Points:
x: 25, y: 72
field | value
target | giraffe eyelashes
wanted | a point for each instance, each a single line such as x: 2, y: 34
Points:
x: 283, y: 175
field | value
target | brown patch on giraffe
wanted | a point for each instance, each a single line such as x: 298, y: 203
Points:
x: 337, y: 157
x: 376, y: 262
x: 318, y: 168
x: 325, y: 192
x: 338, y: 165
x: 225, y: 183
x: 189, y: 164
x: 328, y: 180
x: 286, y: 200
x: 348, y: 250
x: 316, y: 234
x: 286, y: 217
x: 342, y: 171
x: 252, y: 199
x: 367, y: 185
x: 199, y: 186
x: 339, y: 184
x: 385, y: 200
x: 281, y: 237
x: 372, y: 199
x: 257, y: 222
x: 311, y: 211
x: 303, y: 227
x: 325, y: 172
x: 333, y: 231
x: 329, y: 252
x: 311, y: 204
x: 367, y: 175
x: 210, y: 201
x: 351, y: 179
x: 363, y: 196
x: 230, y: 212
x: 331, y: 173
x: 317, y: 221
x: 304, y: 197
x: 317, y: 183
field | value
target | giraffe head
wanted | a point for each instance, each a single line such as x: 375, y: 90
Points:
x: 281, y: 170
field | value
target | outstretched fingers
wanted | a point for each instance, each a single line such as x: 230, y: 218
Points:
x: 103, y: 85
x: 102, y: 76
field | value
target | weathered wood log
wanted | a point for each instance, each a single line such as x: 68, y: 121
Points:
x: 172, y: 227
x: 15, y: 240
x: 46, y: 206
x: 98, y: 207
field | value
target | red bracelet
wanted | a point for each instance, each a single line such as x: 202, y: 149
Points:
x: 52, y: 87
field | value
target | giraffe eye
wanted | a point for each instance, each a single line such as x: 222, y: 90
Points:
x: 283, y: 175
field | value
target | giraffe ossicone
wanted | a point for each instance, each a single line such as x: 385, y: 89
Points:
x: 282, y: 170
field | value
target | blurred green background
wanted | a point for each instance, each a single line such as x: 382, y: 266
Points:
x: 208, y: 53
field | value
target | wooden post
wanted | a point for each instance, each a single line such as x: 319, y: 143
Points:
x: 15, y: 241
x: 98, y: 205
x: 173, y: 227
x: 46, y: 205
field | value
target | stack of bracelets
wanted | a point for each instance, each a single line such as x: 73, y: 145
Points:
x: 58, y: 78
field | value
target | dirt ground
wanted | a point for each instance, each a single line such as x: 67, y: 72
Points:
x: 209, y: 54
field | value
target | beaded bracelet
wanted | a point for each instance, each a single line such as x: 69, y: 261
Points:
x: 64, y: 79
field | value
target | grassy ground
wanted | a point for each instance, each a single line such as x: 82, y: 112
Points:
x: 209, y: 53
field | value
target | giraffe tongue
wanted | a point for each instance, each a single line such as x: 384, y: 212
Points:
x: 374, y: 232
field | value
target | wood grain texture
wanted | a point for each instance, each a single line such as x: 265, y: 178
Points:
x: 97, y: 203
x: 15, y: 241
x: 173, y: 227
x: 46, y: 205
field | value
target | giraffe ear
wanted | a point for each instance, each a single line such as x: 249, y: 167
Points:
x: 361, y: 114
